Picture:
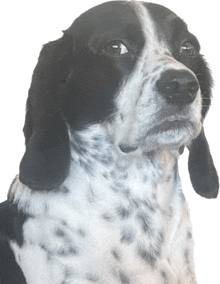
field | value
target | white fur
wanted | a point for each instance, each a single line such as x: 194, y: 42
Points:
x: 117, y: 218
x: 93, y: 195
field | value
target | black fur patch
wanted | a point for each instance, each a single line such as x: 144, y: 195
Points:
x: 127, y: 236
x: 123, y: 278
x: 147, y: 257
x: 11, y: 222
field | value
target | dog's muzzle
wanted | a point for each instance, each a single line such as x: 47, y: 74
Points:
x: 179, y: 88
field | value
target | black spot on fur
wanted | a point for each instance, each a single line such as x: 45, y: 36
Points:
x: 117, y: 187
x: 122, y: 117
x: 107, y: 217
x: 92, y: 278
x: 144, y: 178
x: 147, y: 257
x: 43, y: 247
x: 149, y: 206
x: 113, y: 174
x: 68, y: 273
x: 103, y: 159
x: 105, y: 175
x: 168, y: 178
x: 161, y: 237
x: 69, y: 251
x: 96, y: 145
x: 123, y: 278
x: 164, y: 275
x: 127, y: 236
x: 77, y: 147
x: 186, y: 256
x: 155, y: 196
x: 116, y: 255
x: 97, y: 138
x: 189, y: 235
x: 123, y: 212
x: 156, y: 249
x: 145, y: 222
x: 63, y: 223
x: 81, y: 233
x: 60, y: 233
x: 124, y: 176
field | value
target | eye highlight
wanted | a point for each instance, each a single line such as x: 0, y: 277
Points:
x: 188, y: 49
x: 116, y: 48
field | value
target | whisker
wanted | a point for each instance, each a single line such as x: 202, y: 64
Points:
x: 204, y: 92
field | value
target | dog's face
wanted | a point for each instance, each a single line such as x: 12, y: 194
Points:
x: 132, y: 67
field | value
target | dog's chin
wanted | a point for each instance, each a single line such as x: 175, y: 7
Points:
x: 167, y: 135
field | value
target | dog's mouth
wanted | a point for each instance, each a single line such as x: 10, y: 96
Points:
x: 168, y: 126
x: 175, y: 125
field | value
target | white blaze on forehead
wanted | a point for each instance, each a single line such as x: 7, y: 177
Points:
x: 147, y: 24
x: 130, y: 99
x: 138, y: 103
x: 155, y: 48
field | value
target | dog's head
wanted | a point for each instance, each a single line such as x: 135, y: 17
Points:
x: 131, y: 66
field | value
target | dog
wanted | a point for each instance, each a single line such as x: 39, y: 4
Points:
x: 111, y: 107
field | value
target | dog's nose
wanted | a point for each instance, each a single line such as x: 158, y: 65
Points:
x: 178, y: 87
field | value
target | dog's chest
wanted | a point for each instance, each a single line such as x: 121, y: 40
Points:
x: 106, y: 228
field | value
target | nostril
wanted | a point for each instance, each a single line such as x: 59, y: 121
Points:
x: 178, y: 87
x: 193, y: 87
x: 126, y: 148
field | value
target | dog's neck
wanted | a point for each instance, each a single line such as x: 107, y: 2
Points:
x: 101, y: 174
x: 138, y: 176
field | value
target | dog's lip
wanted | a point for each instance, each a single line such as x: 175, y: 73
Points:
x: 167, y: 125
x: 171, y: 124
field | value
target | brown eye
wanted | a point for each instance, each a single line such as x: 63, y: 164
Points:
x: 116, y: 48
x: 188, y: 48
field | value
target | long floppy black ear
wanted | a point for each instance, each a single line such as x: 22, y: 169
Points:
x: 46, y: 161
x: 202, y: 171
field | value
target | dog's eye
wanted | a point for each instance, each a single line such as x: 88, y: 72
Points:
x: 188, y: 48
x: 116, y: 48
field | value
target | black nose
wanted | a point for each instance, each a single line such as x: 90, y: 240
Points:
x: 178, y: 87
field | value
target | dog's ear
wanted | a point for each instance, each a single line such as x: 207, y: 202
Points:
x: 46, y: 161
x: 202, y: 171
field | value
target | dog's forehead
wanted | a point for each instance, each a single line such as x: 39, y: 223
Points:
x: 114, y: 18
x: 166, y: 22
x: 159, y: 13
x: 120, y: 17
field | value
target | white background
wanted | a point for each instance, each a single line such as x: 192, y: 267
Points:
x: 27, y: 25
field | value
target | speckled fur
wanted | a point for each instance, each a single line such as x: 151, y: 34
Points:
x: 123, y: 220
x: 118, y: 218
